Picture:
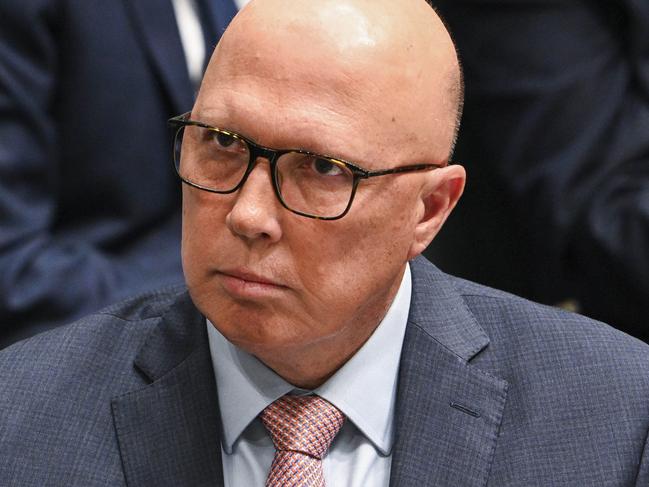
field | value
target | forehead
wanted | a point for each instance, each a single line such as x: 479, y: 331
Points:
x: 360, y: 102
x: 289, y: 114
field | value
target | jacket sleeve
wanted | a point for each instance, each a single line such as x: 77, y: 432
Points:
x: 43, y: 277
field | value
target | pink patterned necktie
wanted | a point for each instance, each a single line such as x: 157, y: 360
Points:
x: 302, y: 428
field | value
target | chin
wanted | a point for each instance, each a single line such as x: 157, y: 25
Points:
x: 255, y: 334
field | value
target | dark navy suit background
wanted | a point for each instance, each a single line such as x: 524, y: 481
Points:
x: 555, y: 139
x: 89, y: 205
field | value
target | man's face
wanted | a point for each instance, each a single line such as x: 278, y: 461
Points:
x: 274, y: 282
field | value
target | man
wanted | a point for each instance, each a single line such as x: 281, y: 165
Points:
x: 303, y: 278
x: 89, y: 214
x: 556, y: 140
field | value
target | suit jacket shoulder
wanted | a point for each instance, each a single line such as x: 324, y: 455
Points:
x: 535, y: 341
x: 56, y: 391
x: 510, y: 392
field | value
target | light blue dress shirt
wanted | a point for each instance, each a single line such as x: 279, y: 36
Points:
x: 364, y: 389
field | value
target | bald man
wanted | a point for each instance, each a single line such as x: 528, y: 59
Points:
x: 311, y: 345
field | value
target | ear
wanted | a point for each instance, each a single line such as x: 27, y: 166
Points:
x: 439, y: 195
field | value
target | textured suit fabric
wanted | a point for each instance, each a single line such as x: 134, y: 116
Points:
x: 556, y: 142
x: 89, y: 205
x: 493, y: 390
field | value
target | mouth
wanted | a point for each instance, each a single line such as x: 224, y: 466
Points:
x: 243, y: 283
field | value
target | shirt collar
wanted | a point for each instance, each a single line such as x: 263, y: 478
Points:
x: 245, y: 386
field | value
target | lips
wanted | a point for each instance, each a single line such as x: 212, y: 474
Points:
x: 251, y: 277
x: 242, y: 283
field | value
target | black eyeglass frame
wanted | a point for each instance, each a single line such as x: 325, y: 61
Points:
x: 272, y: 155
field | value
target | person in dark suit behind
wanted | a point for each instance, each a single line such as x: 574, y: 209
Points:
x: 556, y: 135
x: 312, y: 345
x: 88, y: 207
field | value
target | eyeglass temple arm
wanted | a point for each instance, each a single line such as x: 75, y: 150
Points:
x: 402, y: 169
x: 181, y: 120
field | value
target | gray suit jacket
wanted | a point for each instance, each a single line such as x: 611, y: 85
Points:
x: 493, y: 390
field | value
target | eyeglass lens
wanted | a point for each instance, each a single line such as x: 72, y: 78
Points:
x: 218, y: 161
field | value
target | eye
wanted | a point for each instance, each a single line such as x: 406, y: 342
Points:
x: 224, y: 140
x: 326, y: 167
x: 226, y: 144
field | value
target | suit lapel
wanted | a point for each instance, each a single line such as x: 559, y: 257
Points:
x: 169, y: 431
x: 155, y: 24
x: 448, y: 412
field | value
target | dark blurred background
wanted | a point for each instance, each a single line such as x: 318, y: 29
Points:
x: 89, y: 204
x: 555, y: 139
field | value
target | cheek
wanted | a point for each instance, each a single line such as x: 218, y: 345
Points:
x: 385, y: 234
x: 202, y: 225
x: 349, y: 261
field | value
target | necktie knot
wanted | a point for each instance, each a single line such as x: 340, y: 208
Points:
x: 304, y: 424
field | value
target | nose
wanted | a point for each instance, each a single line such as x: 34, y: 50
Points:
x: 255, y: 212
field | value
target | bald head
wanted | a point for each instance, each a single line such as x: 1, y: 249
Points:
x: 393, y: 63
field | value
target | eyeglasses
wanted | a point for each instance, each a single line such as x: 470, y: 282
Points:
x: 308, y: 184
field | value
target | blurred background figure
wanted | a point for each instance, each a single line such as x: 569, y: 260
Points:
x: 556, y: 142
x: 89, y: 204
